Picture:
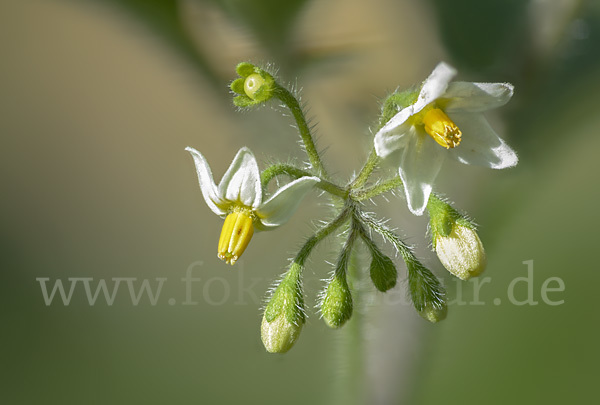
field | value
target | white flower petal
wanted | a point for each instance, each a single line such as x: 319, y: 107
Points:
x: 281, y: 206
x: 476, y: 97
x: 241, y: 181
x: 480, y: 145
x: 207, y: 184
x: 436, y: 83
x: 419, y: 166
x: 393, y: 135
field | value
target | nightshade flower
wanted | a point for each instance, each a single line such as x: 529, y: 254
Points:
x: 239, y: 198
x: 450, y: 113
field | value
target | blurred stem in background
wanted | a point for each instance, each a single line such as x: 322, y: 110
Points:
x: 349, y: 386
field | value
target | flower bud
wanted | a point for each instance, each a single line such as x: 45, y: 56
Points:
x: 426, y: 292
x: 461, y: 252
x: 455, y: 240
x: 383, y: 271
x: 284, y: 315
x: 336, y: 307
x: 279, y: 335
x: 434, y: 313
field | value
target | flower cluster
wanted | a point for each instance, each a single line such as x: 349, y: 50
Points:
x: 417, y: 130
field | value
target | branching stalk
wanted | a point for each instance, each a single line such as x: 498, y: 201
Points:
x: 322, y: 234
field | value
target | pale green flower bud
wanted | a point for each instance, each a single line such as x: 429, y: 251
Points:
x: 336, y: 307
x: 279, y: 335
x: 284, y: 315
x: 434, y: 313
x: 455, y: 240
x: 461, y: 252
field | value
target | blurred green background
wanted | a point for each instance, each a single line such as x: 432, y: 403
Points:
x: 98, y: 100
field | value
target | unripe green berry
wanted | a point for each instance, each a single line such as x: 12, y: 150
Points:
x: 252, y: 84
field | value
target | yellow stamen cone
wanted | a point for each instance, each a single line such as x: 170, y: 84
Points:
x: 236, y: 234
x: 441, y: 128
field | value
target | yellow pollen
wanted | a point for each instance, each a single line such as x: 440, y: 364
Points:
x: 441, y: 128
x: 235, y: 236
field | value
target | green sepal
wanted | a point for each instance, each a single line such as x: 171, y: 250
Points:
x: 245, y: 69
x: 443, y: 217
x: 237, y: 85
x: 337, y: 306
x: 288, y: 298
x: 244, y: 101
x: 396, y: 102
x: 266, y: 90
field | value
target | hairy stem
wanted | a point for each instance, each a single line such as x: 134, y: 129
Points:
x: 278, y: 169
x: 365, y: 172
x: 309, y: 145
x: 390, y: 236
x: 377, y: 189
x: 322, y: 234
x: 344, y: 258
x: 425, y: 289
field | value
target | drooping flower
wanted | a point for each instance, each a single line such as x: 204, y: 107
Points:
x: 239, y: 198
x: 444, y: 120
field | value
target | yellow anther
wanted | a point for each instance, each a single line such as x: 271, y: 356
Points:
x: 441, y: 128
x: 235, y: 236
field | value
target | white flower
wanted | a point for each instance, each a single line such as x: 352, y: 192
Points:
x: 239, y: 197
x: 446, y: 120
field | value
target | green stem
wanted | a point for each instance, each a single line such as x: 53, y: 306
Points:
x: 390, y: 236
x: 425, y: 288
x: 366, y: 238
x: 344, y: 258
x: 365, y: 172
x: 377, y: 189
x: 322, y: 234
x: 278, y: 169
x: 290, y: 101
